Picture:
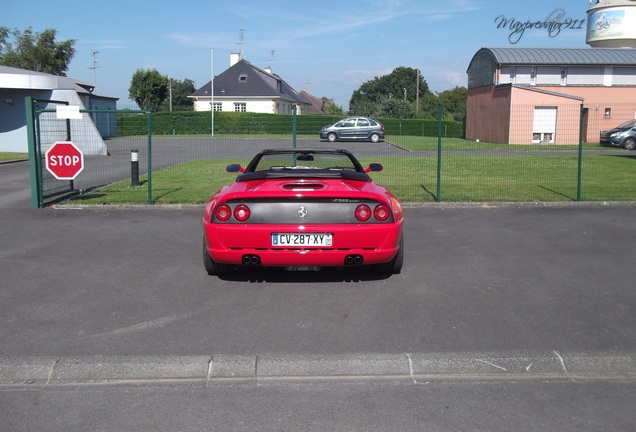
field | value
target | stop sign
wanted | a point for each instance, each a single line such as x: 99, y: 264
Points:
x: 64, y: 160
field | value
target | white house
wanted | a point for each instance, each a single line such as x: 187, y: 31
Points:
x: 244, y: 87
x: 16, y: 84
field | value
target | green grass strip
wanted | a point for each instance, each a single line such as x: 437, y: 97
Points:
x: 471, y: 178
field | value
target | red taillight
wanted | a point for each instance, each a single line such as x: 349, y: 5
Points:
x: 241, y: 212
x: 223, y: 212
x: 363, y: 212
x: 381, y: 212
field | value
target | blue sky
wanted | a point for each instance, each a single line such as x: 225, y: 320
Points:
x: 329, y: 47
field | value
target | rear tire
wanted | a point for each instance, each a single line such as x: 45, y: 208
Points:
x: 211, y: 266
x: 629, y: 144
x: 395, y: 265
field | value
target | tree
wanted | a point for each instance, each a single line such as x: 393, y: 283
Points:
x: 429, y: 106
x: 401, y: 84
x: 35, y: 51
x: 398, y: 108
x: 330, y: 107
x: 180, y: 91
x: 454, y: 102
x: 148, y: 88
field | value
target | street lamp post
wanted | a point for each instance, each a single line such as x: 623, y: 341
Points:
x: 212, y: 91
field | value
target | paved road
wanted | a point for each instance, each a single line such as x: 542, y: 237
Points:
x: 15, y: 189
x: 130, y: 281
x: 511, y: 317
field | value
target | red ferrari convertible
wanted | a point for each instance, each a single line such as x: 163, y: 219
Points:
x: 301, y: 210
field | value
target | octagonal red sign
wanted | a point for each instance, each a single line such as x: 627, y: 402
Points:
x: 64, y: 160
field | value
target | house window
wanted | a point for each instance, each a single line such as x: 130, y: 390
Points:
x: 564, y: 76
x: 544, y: 125
x: 548, y: 75
x: 524, y: 75
x: 243, y: 78
x: 607, y: 113
x: 240, y: 107
x: 218, y: 106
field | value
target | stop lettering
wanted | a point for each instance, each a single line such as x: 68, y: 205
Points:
x: 64, y: 160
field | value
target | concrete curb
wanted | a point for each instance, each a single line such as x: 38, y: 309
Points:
x: 410, y: 367
x: 442, y: 205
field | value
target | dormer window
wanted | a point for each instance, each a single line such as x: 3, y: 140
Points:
x: 243, y: 78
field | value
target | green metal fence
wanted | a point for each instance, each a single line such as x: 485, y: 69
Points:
x: 182, y: 162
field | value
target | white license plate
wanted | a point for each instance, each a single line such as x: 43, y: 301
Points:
x: 301, y: 239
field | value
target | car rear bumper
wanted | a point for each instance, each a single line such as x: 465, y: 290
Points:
x: 352, y: 245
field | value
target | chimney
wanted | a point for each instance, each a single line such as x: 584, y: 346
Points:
x: 234, y: 58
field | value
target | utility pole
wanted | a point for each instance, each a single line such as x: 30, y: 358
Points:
x: 170, y: 91
x: 417, y: 91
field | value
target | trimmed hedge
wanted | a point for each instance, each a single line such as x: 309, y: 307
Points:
x: 198, y: 123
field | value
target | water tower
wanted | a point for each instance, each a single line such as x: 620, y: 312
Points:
x: 611, y: 24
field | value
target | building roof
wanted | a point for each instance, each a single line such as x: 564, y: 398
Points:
x: 24, y: 79
x: 317, y: 104
x: 540, y: 90
x: 562, y: 56
x: 244, y: 80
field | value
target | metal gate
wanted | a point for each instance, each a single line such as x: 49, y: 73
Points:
x: 90, y: 131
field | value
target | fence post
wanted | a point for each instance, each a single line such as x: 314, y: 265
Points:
x: 148, y: 113
x: 34, y: 174
x: 438, y: 196
x: 294, y: 126
x: 38, y: 152
x: 580, y: 167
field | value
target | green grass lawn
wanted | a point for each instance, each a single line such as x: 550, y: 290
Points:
x: 470, y: 172
x: 8, y: 156
x: 476, y: 178
x: 415, y: 143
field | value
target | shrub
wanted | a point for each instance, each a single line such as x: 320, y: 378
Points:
x: 198, y: 123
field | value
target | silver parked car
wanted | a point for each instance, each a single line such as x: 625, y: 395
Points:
x: 623, y: 135
x: 354, y: 128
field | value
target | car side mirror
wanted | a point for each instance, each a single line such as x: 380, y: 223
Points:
x: 234, y: 168
x: 374, y: 167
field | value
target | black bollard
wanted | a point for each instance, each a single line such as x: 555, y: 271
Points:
x: 134, y: 168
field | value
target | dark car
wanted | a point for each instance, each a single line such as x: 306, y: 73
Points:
x: 623, y: 135
x: 354, y: 128
x: 303, y: 210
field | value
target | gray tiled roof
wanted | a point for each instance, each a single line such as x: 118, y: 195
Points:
x: 256, y: 83
x: 564, y: 56
x: 317, y: 104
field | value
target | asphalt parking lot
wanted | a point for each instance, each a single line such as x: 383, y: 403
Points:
x: 505, y: 317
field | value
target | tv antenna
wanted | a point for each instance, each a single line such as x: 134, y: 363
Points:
x: 94, y: 67
x: 240, y: 42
